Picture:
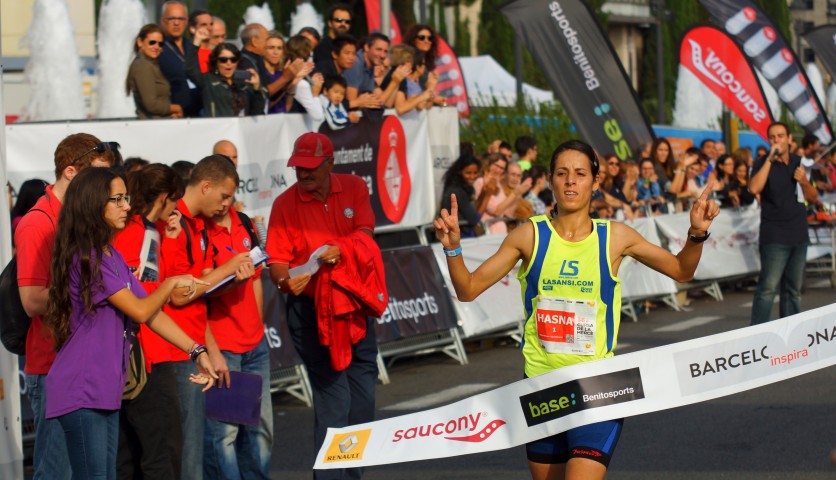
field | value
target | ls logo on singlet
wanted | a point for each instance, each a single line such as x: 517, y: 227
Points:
x: 569, y: 268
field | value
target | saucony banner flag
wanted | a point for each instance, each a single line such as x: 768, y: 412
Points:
x: 718, y: 62
x: 768, y: 51
x: 581, y: 66
x: 823, y: 41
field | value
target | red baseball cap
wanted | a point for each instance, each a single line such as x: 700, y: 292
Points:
x: 310, y: 150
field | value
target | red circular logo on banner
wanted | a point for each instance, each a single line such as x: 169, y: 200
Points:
x: 393, y: 182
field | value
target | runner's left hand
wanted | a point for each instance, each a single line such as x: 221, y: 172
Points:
x: 704, y: 211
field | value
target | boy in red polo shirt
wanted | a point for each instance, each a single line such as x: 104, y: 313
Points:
x: 235, y: 318
x: 210, y: 191
x: 34, y: 238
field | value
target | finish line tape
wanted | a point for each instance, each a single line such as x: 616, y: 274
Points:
x: 622, y: 386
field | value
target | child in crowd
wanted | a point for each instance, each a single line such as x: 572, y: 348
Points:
x: 336, y: 113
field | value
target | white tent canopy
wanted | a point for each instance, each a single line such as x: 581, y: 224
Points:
x: 486, y: 80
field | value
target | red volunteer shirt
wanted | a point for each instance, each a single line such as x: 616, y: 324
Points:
x: 129, y: 243
x: 191, y: 317
x: 233, y: 316
x: 300, y: 223
x: 34, y: 240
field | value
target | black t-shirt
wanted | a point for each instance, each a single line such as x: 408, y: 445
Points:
x: 322, y: 52
x: 783, y: 217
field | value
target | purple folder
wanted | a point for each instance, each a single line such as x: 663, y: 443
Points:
x: 240, y: 403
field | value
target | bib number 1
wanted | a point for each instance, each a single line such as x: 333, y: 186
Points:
x: 566, y: 325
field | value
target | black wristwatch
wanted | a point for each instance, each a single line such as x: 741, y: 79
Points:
x: 697, y: 239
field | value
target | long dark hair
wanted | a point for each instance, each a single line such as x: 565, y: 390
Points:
x: 453, y: 175
x: 409, y: 39
x: 668, y: 167
x: 147, y: 184
x: 29, y: 193
x: 577, y: 146
x: 82, y: 235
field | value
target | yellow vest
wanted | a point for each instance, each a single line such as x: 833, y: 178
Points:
x: 580, y: 310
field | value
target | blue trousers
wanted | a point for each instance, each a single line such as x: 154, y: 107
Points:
x: 340, y: 398
x: 192, y: 416
x: 92, y: 437
x: 233, y: 451
x: 50, y: 457
x: 782, y: 267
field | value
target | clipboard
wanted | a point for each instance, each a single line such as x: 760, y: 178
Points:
x: 240, y: 403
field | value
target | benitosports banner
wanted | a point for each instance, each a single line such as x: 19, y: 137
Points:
x: 393, y: 156
x: 581, y: 66
x: 418, y: 301
x: 622, y: 386
x: 768, y: 51
x: 823, y: 42
x: 718, y: 62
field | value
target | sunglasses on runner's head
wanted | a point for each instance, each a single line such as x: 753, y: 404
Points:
x: 102, y: 148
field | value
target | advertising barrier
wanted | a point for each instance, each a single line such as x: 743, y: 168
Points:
x: 394, y: 157
x: 622, y: 386
x: 418, y: 301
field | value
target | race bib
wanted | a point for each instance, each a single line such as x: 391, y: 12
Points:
x: 566, y: 325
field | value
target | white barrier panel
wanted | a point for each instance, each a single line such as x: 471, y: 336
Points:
x: 637, y: 280
x: 443, y: 131
x: 11, y: 440
x: 264, y: 146
x: 732, y: 248
x: 633, y: 384
x: 500, y: 306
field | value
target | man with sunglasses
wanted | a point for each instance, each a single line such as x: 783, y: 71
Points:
x: 34, y: 238
x: 174, y: 19
x: 339, y: 23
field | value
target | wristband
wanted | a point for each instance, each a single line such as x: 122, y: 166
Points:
x: 452, y: 253
x: 701, y: 239
x: 196, y: 351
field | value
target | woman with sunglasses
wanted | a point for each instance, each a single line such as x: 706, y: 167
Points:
x: 146, y: 81
x: 424, y: 38
x: 224, y: 94
x: 94, y: 299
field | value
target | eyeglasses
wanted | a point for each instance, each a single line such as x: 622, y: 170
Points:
x: 121, y: 200
x: 102, y: 148
x: 175, y: 19
x: 616, y: 164
x: 425, y: 38
x: 346, y: 21
x: 227, y: 59
x: 151, y: 43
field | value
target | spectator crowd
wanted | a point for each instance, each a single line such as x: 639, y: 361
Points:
x: 185, y: 66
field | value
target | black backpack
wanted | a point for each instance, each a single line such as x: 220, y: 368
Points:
x: 14, y: 322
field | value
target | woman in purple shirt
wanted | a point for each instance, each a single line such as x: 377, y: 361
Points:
x: 93, y: 299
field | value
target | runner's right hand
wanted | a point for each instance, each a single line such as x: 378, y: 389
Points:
x: 447, y: 225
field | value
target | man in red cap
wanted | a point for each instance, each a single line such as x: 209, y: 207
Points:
x: 323, y: 209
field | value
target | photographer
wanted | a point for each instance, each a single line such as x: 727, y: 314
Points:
x: 225, y: 91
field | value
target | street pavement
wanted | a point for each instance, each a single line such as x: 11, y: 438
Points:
x: 780, y: 431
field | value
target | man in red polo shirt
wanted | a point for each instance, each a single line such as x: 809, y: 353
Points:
x: 34, y: 238
x: 319, y: 208
x: 209, y: 193
x: 235, y: 319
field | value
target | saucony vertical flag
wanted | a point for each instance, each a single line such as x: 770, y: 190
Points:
x: 823, y: 41
x: 718, y: 62
x: 580, y: 64
x: 768, y: 51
